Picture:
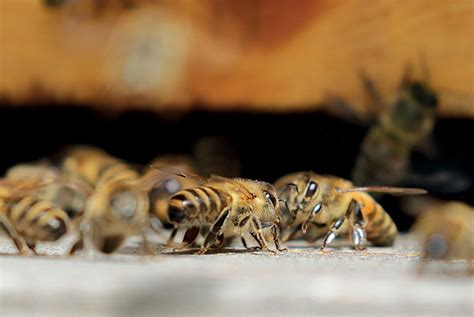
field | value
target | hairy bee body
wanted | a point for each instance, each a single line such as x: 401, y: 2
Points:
x: 385, y: 151
x: 315, y: 204
x: 225, y: 207
x: 69, y: 197
x: 170, y: 184
x: 118, y: 207
x: 96, y: 166
x: 28, y: 220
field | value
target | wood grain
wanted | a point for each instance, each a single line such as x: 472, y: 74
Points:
x: 220, y: 55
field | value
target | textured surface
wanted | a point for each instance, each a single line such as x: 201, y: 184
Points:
x: 255, y: 54
x: 303, y: 281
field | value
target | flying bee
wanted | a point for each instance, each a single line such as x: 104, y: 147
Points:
x: 329, y: 205
x: 385, y: 152
x: 70, y: 195
x: 226, y: 206
x: 118, y: 207
x: 28, y: 219
x: 446, y: 231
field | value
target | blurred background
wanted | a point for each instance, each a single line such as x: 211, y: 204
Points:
x: 282, y: 85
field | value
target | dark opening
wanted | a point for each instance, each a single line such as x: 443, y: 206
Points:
x: 268, y: 145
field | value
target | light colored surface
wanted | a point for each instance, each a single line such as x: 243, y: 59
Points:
x: 303, y: 281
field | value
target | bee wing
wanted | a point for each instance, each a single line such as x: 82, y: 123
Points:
x: 30, y: 186
x: 162, y: 173
x: 385, y: 189
x: 245, y: 193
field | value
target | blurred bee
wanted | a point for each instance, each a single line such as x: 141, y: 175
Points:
x: 70, y: 195
x: 118, y: 207
x: 446, y: 231
x: 385, y: 152
x: 329, y: 205
x: 170, y: 184
x: 28, y: 219
x: 226, y: 207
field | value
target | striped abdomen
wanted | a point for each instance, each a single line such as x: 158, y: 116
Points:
x: 116, y: 172
x: 37, y: 220
x: 380, y: 228
x: 196, y: 206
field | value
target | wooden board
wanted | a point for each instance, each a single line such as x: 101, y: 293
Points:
x: 251, y: 55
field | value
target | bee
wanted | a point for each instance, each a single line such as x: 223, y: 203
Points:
x: 118, y: 207
x: 169, y: 184
x: 446, y: 231
x: 330, y: 205
x: 385, y: 152
x: 226, y: 206
x: 28, y: 219
x: 70, y: 195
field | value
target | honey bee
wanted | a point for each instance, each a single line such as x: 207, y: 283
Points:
x: 70, y: 195
x: 118, y: 206
x: 329, y: 205
x: 385, y: 152
x: 169, y: 184
x: 225, y: 206
x: 446, y: 231
x: 28, y: 219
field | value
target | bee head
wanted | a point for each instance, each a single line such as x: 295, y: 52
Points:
x: 423, y: 95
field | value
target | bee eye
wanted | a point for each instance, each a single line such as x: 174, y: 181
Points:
x: 312, y: 188
x: 271, y: 198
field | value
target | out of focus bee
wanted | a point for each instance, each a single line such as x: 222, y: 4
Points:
x: 328, y: 206
x: 212, y: 156
x: 169, y: 184
x: 225, y: 206
x: 118, y: 207
x: 28, y: 219
x: 385, y: 152
x: 69, y: 194
x: 446, y: 231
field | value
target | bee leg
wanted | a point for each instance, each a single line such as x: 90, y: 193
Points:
x: 358, y: 235
x: 79, y: 244
x: 11, y: 232
x: 244, y: 243
x: 147, y: 248
x: 242, y: 238
x: 259, y: 236
x: 276, y: 237
x: 215, y: 231
x: 190, y: 236
x: 293, y: 235
x: 332, y: 233
x: 372, y: 91
x: 170, y: 242
x: 220, y: 241
x: 32, y: 247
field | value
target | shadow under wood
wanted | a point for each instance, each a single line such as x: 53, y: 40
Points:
x: 210, y: 251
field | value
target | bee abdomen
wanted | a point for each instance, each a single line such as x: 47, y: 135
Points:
x: 380, y: 228
x: 198, y: 204
x: 37, y: 219
x: 116, y: 172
